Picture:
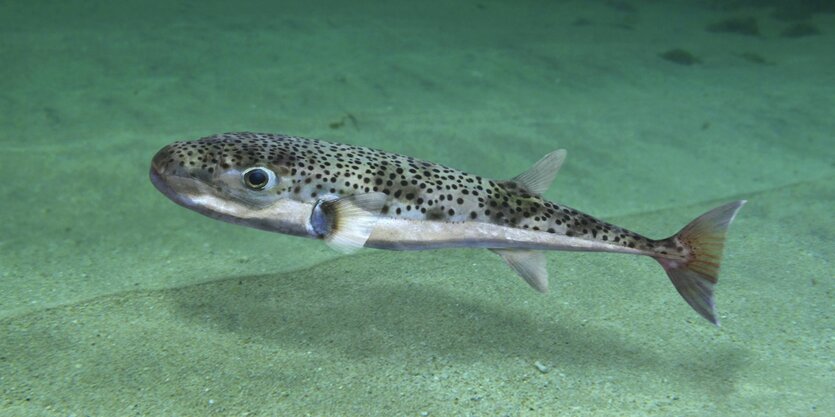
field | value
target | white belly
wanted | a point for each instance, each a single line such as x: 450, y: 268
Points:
x: 400, y: 234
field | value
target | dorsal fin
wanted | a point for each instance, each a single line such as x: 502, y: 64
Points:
x: 539, y: 177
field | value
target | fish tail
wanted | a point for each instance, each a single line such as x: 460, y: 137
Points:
x: 695, y: 269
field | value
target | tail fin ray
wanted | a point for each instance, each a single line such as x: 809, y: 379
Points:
x: 703, y: 241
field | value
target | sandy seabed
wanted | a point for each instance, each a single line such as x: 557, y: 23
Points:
x: 115, y: 302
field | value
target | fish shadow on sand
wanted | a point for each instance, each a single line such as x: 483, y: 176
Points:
x: 364, y: 310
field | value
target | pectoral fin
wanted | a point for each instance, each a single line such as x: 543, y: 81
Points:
x: 529, y: 264
x: 539, y: 177
x: 346, y: 223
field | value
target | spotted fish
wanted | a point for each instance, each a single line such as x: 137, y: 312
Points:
x: 352, y: 197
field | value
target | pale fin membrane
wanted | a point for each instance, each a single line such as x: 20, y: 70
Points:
x: 539, y: 177
x: 346, y: 223
x: 704, y: 239
x: 529, y: 264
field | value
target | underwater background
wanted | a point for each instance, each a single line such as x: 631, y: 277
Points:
x: 115, y: 302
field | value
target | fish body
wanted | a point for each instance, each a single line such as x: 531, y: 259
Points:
x: 353, y: 197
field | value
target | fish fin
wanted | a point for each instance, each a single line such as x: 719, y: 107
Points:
x: 529, y: 264
x: 539, y: 177
x: 703, y: 240
x: 346, y: 223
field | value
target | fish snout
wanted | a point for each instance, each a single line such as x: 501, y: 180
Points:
x: 173, y: 173
x: 182, y: 160
x: 160, y: 172
x: 160, y: 162
x: 172, y: 161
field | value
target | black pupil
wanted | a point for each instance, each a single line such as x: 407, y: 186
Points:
x: 257, y: 178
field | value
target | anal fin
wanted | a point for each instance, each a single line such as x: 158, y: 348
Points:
x: 529, y: 264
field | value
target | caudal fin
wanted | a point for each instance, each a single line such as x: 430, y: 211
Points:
x: 702, y: 241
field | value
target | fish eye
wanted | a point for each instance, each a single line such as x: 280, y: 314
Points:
x: 258, y: 178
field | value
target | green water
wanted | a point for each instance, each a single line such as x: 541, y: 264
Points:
x: 115, y: 302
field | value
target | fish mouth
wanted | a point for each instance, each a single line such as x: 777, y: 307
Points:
x: 162, y: 185
x: 185, y: 191
x: 171, y: 182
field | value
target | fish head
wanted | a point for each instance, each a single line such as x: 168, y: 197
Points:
x: 230, y: 177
